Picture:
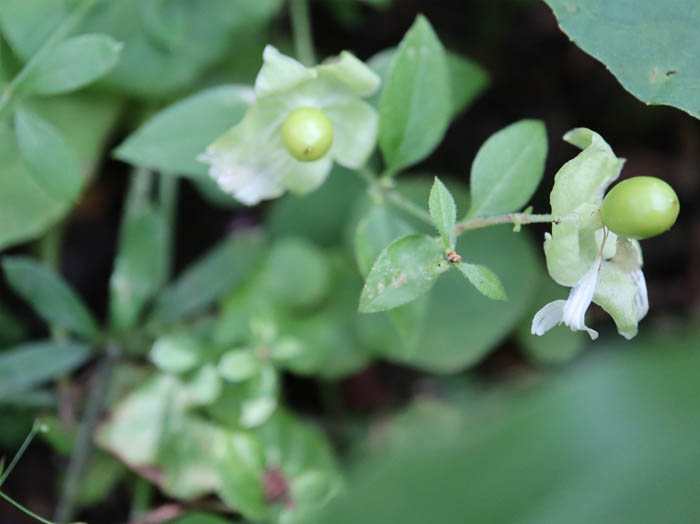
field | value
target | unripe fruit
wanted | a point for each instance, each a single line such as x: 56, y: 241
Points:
x: 307, y: 133
x: 640, y: 207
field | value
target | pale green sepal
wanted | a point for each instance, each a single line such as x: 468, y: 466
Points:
x: 304, y: 177
x: 280, y: 73
x: 351, y: 73
x: 578, y: 192
x: 616, y: 294
x: 355, y: 127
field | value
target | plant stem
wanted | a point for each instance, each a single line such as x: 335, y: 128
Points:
x: 65, y: 27
x: 167, y: 197
x: 83, y: 443
x: 25, y: 510
x: 301, y: 31
x: 20, y: 452
x: 510, y: 218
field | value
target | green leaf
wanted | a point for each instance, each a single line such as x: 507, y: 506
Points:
x: 49, y: 295
x: 310, y: 280
x: 638, y: 422
x: 73, y: 64
x: 405, y: 270
x: 175, y: 353
x: 140, y: 264
x: 28, y: 365
x: 444, y: 213
x: 52, y: 162
x: 484, y: 280
x: 215, y: 273
x: 376, y: 230
x: 461, y: 326
x: 238, y: 365
x: 467, y: 79
x: 508, y: 168
x: 12, y: 330
x: 416, y: 102
x: 171, y: 140
x: 644, y: 43
x: 199, y: 518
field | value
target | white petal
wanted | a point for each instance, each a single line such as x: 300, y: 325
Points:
x: 580, y: 298
x: 641, y: 301
x: 303, y: 177
x: 280, y: 73
x: 355, y: 126
x: 547, y: 317
x: 351, y: 73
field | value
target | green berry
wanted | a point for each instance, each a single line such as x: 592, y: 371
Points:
x: 307, y: 133
x: 640, y: 207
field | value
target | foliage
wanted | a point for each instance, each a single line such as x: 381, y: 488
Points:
x: 186, y: 370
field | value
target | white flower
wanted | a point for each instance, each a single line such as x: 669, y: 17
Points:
x: 250, y: 160
x: 598, y: 265
x: 571, y: 311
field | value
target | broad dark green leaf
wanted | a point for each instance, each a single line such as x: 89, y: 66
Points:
x: 140, y: 264
x: 73, y: 64
x: 171, y: 140
x: 28, y: 365
x: 49, y: 295
x: 405, y: 270
x: 612, y: 440
x: 444, y: 212
x: 208, y: 278
x: 508, y: 168
x: 199, y: 518
x: 646, y: 44
x: 52, y: 162
x: 484, y: 280
x: 416, y: 102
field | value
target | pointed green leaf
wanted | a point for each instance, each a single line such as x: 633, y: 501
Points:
x: 444, y: 212
x: 28, y: 365
x: 208, y: 278
x: 483, y: 279
x: 49, y: 295
x: 508, y: 168
x: 171, y: 140
x: 54, y: 165
x: 416, y: 102
x: 376, y: 230
x: 405, y: 270
x: 140, y: 264
x: 73, y: 64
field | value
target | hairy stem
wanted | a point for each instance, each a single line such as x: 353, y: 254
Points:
x: 65, y: 27
x: 83, y: 442
x: 301, y: 30
x: 510, y: 218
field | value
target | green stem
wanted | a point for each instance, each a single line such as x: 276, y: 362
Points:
x: 510, y: 218
x: 20, y: 452
x: 141, y: 494
x: 301, y: 31
x: 83, y: 442
x: 167, y: 197
x: 25, y: 510
x: 68, y: 24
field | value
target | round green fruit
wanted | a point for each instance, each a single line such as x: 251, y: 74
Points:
x: 640, y: 207
x: 307, y: 133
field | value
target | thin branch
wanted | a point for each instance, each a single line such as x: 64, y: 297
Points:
x: 301, y: 31
x: 510, y: 218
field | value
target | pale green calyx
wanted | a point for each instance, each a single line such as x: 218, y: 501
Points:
x: 274, y: 149
x: 581, y: 254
